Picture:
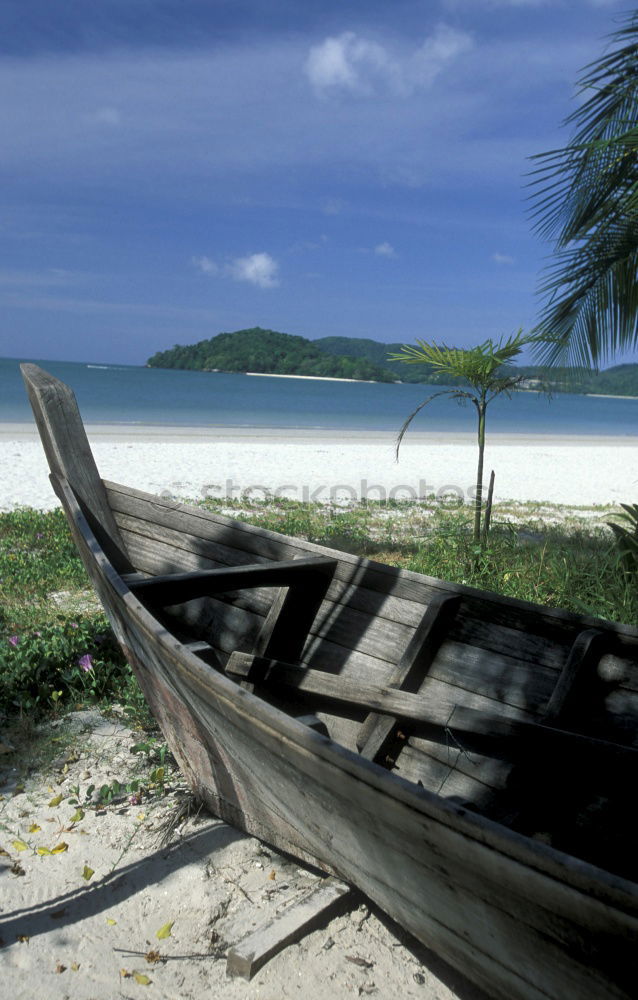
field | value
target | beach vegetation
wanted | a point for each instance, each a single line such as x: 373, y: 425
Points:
x: 57, y: 649
x: 586, y: 201
x: 480, y: 368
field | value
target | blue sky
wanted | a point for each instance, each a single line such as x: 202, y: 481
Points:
x: 172, y: 169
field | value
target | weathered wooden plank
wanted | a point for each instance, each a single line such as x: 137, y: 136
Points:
x: 376, y: 732
x: 293, y: 923
x: 177, y: 588
x: 229, y: 628
x: 69, y: 456
x: 439, y: 765
x: 378, y: 697
x: 583, y: 656
x: 465, y: 777
x: 492, y: 735
x: 369, y: 696
x: 501, y: 677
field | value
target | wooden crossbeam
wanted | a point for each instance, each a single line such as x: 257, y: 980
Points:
x: 288, y: 623
x: 177, y: 588
x: 377, y: 731
x: 501, y: 737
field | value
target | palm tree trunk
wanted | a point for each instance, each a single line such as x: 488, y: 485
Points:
x: 481, y: 407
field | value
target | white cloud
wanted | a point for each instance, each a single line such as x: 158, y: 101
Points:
x: 385, y: 250
x: 205, y: 265
x: 443, y: 46
x: 348, y: 62
x: 502, y: 258
x: 257, y: 268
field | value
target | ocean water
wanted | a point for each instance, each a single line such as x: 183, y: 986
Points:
x: 127, y: 394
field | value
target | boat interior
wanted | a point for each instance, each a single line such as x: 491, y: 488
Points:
x: 523, y: 714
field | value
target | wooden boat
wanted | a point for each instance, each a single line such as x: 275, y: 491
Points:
x: 464, y: 759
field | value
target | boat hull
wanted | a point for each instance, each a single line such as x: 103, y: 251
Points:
x: 520, y: 920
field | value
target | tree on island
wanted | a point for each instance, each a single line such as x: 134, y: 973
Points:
x: 587, y: 202
x: 481, y: 368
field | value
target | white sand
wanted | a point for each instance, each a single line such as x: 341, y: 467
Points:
x: 190, y: 463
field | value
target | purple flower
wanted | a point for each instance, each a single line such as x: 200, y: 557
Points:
x: 74, y: 625
x: 86, y: 662
x: 14, y: 640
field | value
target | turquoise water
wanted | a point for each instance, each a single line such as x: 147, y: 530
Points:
x: 126, y: 394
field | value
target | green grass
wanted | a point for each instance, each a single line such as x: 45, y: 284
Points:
x: 37, y: 558
x: 556, y: 556
x: 57, y: 650
x: 51, y: 629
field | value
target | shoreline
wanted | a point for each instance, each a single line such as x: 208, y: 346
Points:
x: 607, y: 395
x: 218, y: 433
x: 314, y: 378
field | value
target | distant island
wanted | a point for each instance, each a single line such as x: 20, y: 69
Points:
x: 268, y: 352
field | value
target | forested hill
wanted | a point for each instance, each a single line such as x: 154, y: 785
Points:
x: 258, y: 350
x: 621, y: 380
x: 375, y: 351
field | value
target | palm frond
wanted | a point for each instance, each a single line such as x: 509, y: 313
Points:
x: 477, y: 365
x: 408, y: 421
x: 586, y: 200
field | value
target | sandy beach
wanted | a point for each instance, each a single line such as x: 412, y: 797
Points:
x: 191, y: 463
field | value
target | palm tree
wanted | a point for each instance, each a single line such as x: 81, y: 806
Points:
x: 587, y: 202
x: 481, y: 368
